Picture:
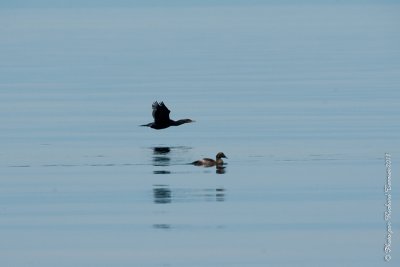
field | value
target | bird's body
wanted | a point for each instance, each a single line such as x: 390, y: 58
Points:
x: 207, y: 162
x: 161, y: 117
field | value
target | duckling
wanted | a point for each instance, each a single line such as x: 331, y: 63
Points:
x: 161, y: 117
x: 207, y: 162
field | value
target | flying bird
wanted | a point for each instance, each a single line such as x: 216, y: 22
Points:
x: 161, y: 117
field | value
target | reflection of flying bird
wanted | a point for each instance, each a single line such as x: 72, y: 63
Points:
x: 161, y: 117
x: 207, y: 162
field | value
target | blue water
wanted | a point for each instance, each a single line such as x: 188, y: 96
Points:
x: 303, y: 100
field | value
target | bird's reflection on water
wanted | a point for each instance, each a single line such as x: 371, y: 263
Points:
x: 163, y: 194
x: 161, y: 172
x: 162, y: 158
x: 163, y: 226
x: 220, y: 170
x: 161, y: 150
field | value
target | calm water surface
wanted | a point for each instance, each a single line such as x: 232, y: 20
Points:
x: 302, y: 99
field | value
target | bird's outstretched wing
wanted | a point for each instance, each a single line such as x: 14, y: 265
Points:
x: 160, y: 113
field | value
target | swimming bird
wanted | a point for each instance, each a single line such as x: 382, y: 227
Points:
x: 207, y: 162
x: 161, y: 117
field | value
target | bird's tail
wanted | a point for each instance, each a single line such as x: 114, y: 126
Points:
x: 197, y: 163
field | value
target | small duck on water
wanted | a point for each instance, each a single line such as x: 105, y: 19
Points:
x: 207, y: 162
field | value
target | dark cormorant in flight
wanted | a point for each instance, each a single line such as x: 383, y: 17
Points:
x: 161, y: 117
